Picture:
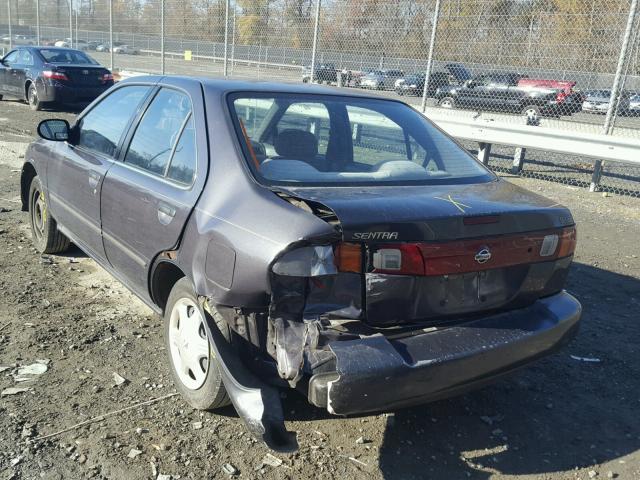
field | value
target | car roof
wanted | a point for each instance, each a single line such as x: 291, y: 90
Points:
x: 222, y: 86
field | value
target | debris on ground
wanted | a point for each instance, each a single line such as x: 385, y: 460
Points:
x: 134, y: 452
x: 13, y: 391
x: 230, y: 469
x: 119, y: 379
x: 271, y: 461
x: 585, y: 359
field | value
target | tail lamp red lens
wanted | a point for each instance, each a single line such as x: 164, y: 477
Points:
x: 53, y: 75
x: 562, y: 95
x: 474, y: 255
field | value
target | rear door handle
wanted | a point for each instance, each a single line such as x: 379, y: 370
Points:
x: 165, y: 213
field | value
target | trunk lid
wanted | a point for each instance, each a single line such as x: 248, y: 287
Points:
x: 452, y: 229
x: 83, y: 75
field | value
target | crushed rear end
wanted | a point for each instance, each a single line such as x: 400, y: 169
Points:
x: 391, y: 313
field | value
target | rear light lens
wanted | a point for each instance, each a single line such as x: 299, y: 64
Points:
x: 561, y: 96
x: 567, y: 242
x: 312, y: 261
x: 348, y: 257
x: 402, y: 259
x: 107, y: 77
x: 53, y: 75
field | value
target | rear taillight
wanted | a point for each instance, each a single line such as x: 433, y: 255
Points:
x: 348, y: 257
x: 464, y: 256
x: 107, y: 77
x: 402, y: 259
x: 561, y: 97
x: 53, y: 75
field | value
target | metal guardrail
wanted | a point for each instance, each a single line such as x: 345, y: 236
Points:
x: 486, y: 133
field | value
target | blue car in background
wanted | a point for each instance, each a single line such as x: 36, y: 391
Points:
x: 49, y: 76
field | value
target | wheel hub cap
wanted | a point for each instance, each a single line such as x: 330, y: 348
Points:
x: 188, y: 343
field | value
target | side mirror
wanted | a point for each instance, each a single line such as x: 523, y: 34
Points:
x: 56, y: 130
x: 469, y: 84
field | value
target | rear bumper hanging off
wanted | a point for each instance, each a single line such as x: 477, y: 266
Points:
x: 376, y: 373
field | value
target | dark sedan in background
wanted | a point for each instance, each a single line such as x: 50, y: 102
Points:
x: 414, y: 84
x: 48, y: 76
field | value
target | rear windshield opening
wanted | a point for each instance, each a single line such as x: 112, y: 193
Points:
x: 71, y: 57
x: 303, y: 139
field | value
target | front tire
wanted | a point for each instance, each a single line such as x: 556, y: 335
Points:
x: 32, y: 98
x: 44, y: 229
x: 194, y: 368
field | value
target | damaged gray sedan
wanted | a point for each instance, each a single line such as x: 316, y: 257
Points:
x: 299, y: 237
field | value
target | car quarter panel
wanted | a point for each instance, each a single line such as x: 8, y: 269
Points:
x: 241, y: 219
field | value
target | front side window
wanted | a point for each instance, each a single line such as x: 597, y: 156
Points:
x: 158, y: 131
x: 306, y: 139
x: 101, y: 129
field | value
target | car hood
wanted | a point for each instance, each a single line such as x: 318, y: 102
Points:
x: 435, y: 212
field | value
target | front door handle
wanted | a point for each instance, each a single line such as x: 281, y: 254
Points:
x: 165, y: 213
x: 94, y: 179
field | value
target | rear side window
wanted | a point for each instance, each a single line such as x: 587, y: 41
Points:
x: 158, y: 131
x: 26, y: 58
x: 11, y: 58
x: 100, y: 130
x: 183, y: 163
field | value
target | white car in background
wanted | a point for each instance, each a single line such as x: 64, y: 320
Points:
x: 126, y: 49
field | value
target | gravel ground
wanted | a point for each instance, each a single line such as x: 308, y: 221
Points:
x: 562, y: 418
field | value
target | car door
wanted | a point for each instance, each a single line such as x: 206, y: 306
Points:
x: 76, y: 171
x: 473, y: 93
x: 6, y: 75
x: 148, y: 195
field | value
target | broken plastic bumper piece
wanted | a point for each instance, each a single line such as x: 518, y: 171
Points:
x: 377, y: 373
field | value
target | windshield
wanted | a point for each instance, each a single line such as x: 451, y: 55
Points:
x: 302, y: 139
x: 73, y: 57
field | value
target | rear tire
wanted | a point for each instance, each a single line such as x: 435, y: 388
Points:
x: 532, y: 114
x: 447, y: 102
x: 44, y: 229
x: 32, y: 98
x: 194, y: 368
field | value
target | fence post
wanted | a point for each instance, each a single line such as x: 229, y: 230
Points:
x: 9, y: 18
x: 432, y: 42
x: 518, y: 160
x: 233, y: 41
x: 162, y: 65
x: 111, y: 33
x: 226, y: 38
x: 314, y: 47
x: 616, y: 91
x: 38, y: 21
x: 484, y: 152
x: 70, y: 23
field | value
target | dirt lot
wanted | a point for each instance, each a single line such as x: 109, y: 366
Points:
x: 562, y: 418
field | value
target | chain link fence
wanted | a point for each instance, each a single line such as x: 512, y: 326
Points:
x: 568, y: 64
